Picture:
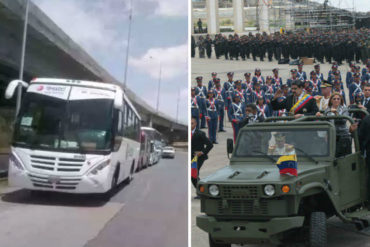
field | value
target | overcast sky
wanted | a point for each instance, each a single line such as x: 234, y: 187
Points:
x: 159, y: 33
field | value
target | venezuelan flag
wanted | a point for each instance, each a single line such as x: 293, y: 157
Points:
x: 194, y: 167
x: 287, y: 164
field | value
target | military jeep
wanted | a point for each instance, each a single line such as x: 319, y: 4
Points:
x: 250, y: 202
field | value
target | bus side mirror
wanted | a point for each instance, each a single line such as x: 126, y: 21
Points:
x: 117, y: 143
x: 151, y: 147
x: 12, y: 86
x: 118, y: 100
x: 230, y: 146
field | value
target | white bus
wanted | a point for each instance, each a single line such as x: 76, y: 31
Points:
x: 73, y: 136
x: 155, y: 138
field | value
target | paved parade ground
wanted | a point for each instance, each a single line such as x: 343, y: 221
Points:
x: 339, y: 234
x: 150, y: 211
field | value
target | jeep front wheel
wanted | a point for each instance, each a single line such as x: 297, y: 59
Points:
x: 212, y: 243
x: 318, y: 229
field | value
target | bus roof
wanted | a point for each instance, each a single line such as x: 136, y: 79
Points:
x: 81, y: 83
x: 148, y: 128
x: 91, y: 84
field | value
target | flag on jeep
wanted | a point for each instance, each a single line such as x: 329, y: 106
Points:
x: 194, y: 167
x: 287, y: 164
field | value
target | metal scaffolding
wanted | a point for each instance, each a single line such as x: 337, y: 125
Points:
x: 291, y: 14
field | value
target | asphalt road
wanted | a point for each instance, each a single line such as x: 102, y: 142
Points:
x: 339, y: 234
x: 150, y: 211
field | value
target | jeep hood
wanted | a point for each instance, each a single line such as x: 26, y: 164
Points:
x: 258, y: 173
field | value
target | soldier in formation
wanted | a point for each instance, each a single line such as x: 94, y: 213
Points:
x: 345, y: 45
x: 270, y: 96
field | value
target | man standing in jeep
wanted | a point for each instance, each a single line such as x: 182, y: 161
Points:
x: 297, y: 104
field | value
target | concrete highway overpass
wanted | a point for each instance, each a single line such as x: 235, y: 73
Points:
x: 52, y: 53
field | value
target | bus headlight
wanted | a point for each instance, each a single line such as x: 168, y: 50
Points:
x: 213, y: 190
x: 13, y: 160
x: 100, y: 167
x: 269, y: 190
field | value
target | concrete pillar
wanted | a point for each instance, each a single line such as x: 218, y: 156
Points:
x: 238, y: 6
x: 192, y: 18
x: 151, y: 121
x: 213, y: 26
x: 263, y: 16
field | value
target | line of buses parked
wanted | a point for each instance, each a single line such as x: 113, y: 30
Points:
x: 77, y: 137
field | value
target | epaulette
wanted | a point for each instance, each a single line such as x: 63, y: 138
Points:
x: 271, y: 149
x: 289, y: 148
x: 318, y: 98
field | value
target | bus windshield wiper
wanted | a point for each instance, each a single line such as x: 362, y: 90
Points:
x: 266, y: 155
x: 306, y: 155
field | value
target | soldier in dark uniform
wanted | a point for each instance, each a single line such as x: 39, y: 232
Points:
x: 320, y: 52
x: 355, y: 87
x: 217, y: 44
x: 285, y: 48
x: 349, y: 76
x: 261, y: 48
x: 201, y: 92
x: 225, y: 47
x: 192, y: 46
x: 254, y: 48
x: 269, y: 89
x: 231, y: 47
x: 211, y: 83
x: 201, y: 47
x: 211, y: 116
x: 220, y: 95
x: 247, y: 46
x: 300, y: 73
x: 236, y: 114
x: 276, y: 79
x: 328, y: 50
x: 277, y: 41
x: 297, y: 104
x: 208, y: 46
x: 319, y: 75
x: 195, y: 109
x: 334, y: 68
x: 293, y: 78
x: 242, y: 47
x: 200, y: 27
x: 270, y: 48
x: 237, y: 46
x: 229, y: 89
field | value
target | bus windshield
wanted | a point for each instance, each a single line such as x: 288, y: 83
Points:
x: 50, y: 123
x: 278, y: 142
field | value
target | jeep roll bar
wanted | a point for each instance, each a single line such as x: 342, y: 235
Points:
x: 271, y: 119
x: 311, y: 117
x: 325, y: 118
x: 357, y: 110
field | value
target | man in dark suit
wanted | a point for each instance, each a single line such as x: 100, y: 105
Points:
x: 366, y: 102
x: 200, y: 146
x: 297, y: 104
x: 364, y: 138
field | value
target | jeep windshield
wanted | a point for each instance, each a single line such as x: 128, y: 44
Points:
x: 49, y: 123
x: 278, y: 142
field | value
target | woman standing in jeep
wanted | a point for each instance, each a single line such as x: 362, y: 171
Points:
x: 336, y: 107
